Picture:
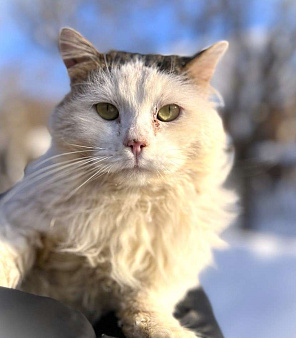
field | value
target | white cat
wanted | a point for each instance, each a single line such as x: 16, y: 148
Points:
x: 123, y: 210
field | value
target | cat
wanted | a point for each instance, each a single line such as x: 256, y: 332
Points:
x: 122, y: 211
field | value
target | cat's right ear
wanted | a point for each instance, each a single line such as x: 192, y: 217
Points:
x: 202, y: 66
x: 78, y: 54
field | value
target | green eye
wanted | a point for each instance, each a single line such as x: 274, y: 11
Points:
x: 107, y: 111
x: 168, y: 113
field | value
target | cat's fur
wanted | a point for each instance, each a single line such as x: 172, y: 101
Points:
x: 86, y: 227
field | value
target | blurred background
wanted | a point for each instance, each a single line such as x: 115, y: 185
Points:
x: 253, y: 283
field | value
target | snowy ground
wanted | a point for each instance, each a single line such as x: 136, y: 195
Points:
x: 253, y: 286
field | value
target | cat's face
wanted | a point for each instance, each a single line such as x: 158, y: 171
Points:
x: 139, y: 121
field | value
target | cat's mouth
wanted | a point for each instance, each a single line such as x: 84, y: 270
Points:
x: 137, y: 164
x: 137, y: 169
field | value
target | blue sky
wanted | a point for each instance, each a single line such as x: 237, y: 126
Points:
x: 155, y: 29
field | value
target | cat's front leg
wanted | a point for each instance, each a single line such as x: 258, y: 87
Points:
x: 143, y: 318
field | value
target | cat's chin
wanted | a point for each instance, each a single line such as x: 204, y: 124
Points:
x: 135, y: 177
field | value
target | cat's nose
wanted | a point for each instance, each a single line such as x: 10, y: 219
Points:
x: 136, y: 146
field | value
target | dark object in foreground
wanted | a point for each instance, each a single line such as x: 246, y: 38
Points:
x: 23, y: 315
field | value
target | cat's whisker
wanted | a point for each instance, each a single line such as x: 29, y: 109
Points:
x: 79, y: 174
x: 86, y: 181
x: 99, y: 173
x: 45, y: 173
x: 57, y: 156
x: 87, y: 147
x: 80, y: 166
x: 80, y: 186
x: 69, y: 153
x: 72, y: 179
x: 109, y: 168
x: 66, y: 176
x: 56, y: 165
x: 102, y: 171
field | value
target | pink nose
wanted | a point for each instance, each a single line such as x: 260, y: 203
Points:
x: 136, y: 146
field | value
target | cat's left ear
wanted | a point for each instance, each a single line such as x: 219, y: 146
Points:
x: 202, y: 65
x: 78, y: 54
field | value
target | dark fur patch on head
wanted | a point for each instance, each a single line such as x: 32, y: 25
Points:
x: 166, y: 63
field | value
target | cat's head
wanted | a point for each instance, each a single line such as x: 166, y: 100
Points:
x: 141, y: 117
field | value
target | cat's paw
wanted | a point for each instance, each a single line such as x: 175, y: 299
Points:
x: 172, y: 333
x: 9, y: 275
x: 145, y: 325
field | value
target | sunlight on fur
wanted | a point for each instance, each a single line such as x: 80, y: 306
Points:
x: 100, y: 227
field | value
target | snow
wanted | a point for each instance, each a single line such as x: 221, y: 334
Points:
x: 253, y: 286
x: 275, y: 208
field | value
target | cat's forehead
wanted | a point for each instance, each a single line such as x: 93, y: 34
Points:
x: 165, y: 63
x: 133, y: 82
